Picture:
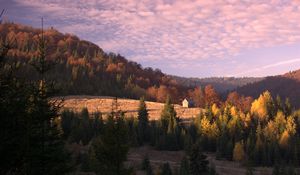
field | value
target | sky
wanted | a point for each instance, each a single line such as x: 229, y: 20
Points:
x: 191, y: 38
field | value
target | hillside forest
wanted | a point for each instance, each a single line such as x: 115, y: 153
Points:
x: 79, y: 62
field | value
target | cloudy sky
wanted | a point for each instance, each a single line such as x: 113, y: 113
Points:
x: 182, y: 37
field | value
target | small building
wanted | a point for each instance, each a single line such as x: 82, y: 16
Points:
x: 187, y: 103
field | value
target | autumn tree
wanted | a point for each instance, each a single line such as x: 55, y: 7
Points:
x: 263, y: 106
x: 211, y: 95
x: 238, y: 152
x: 198, y: 97
x: 233, y: 99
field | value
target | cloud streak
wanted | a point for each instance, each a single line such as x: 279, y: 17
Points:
x: 273, y: 65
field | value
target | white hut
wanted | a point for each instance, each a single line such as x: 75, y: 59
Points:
x: 187, y: 103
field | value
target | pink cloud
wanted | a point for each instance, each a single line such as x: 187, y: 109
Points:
x: 195, y: 30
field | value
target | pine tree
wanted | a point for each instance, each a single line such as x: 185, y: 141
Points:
x: 97, y: 124
x: 143, y: 122
x: 198, y: 162
x: 184, y: 167
x: 67, y: 118
x: 168, y: 117
x: 112, y: 147
x: 13, y: 110
x: 86, y: 129
x: 212, y: 169
x: 146, y: 166
x: 165, y: 169
x: 45, y: 148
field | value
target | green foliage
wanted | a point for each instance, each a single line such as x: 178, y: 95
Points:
x: 198, y: 162
x: 184, y: 167
x: 212, y: 169
x: 33, y: 121
x: 112, y: 147
x: 165, y: 169
x: 168, y: 117
x: 143, y: 122
x: 146, y: 166
x: 67, y: 118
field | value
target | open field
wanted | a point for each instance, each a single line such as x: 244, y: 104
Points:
x: 129, y: 106
x: 157, y: 158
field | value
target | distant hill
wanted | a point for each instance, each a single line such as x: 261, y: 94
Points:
x: 286, y: 86
x: 221, y: 84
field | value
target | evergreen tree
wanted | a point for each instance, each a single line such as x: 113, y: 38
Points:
x: 97, y: 124
x: 143, y: 122
x: 165, y: 169
x: 67, y: 118
x: 45, y: 148
x: 86, y: 129
x: 168, y: 117
x: 212, y: 169
x: 112, y: 147
x: 146, y: 166
x: 184, y: 167
x: 198, y: 162
x: 13, y: 110
x: 132, y: 131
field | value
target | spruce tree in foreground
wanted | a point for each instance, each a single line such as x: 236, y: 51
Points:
x: 13, y: 105
x: 45, y: 147
x: 143, y: 122
x: 165, y: 169
x: 198, y: 162
x: 31, y: 140
x: 184, y: 167
x: 112, y: 147
x: 146, y: 166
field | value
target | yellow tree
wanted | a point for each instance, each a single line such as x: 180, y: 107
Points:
x: 280, y: 122
x: 291, y: 125
x: 239, y: 152
x: 270, y: 131
x: 215, y: 110
x: 284, y: 139
x: 261, y: 106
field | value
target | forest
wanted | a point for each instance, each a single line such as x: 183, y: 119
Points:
x: 35, y: 130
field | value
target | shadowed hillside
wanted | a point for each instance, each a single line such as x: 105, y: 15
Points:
x: 221, y: 84
x: 286, y: 86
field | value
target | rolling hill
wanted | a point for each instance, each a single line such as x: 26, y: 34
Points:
x: 286, y: 86
x: 129, y: 106
x: 83, y: 68
x: 221, y: 84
